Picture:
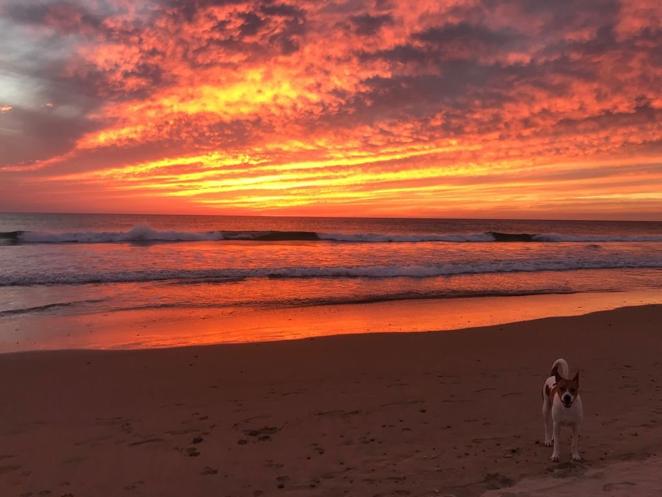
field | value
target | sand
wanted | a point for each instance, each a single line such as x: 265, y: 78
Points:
x: 421, y: 414
x: 621, y: 479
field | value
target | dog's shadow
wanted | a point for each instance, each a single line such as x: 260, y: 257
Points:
x: 568, y: 469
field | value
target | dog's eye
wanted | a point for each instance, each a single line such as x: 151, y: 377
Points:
x: 573, y: 390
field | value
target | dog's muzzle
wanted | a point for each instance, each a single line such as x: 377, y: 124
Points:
x: 566, y: 400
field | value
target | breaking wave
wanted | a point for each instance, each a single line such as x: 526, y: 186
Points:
x: 146, y: 234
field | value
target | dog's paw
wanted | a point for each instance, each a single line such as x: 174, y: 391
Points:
x: 554, y: 458
x: 576, y: 457
x: 549, y: 443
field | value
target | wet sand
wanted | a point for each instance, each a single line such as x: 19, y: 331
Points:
x: 165, y: 327
x: 417, y: 414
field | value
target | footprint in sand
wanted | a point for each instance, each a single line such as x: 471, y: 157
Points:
x: 208, y: 470
x: 192, y: 452
x: 134, y: 485
x: 262, y: 434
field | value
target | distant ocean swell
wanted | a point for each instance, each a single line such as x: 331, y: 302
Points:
x: 145, y: 234
x: 367, y: 272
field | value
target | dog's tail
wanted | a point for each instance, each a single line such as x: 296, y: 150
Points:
x: 560, y: 366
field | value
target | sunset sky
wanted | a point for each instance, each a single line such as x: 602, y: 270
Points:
x: 524, y: 108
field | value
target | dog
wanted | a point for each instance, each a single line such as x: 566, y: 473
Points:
x: 562, y: 406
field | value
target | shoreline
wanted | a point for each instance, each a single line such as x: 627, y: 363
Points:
x: 415, y: 414
x: 168, y: 328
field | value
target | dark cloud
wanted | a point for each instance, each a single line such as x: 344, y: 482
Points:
x: 282, y: 9
x: 51, y: 109
x: 402, y: 54
x: 62, y: 16
x: 382, y: 5
x: 369, y: 25
x: 186, y: 10
x: 643, y: 113
x: 461, y: 41
x: 462, y: 87
x: 546, y: 18
x: 52, y: 115
x: 29, y: 135
x: 266, y: 29
x: 288, y: 38
x: 342, y: 7
x: 466, y: 68
x: 251, y: 25
x: 464, y: 36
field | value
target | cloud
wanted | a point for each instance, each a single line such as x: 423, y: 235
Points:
x: 351, y: 94
x: 369, y: 25
x: 29, y: 135
x: 62, y: 16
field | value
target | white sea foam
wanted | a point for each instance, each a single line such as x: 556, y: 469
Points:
x: 395, y: 238
x: 368, y: 272
x: 139, y: 233
x: 589, y: 238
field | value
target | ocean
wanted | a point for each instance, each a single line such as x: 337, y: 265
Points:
x: 54, y: 265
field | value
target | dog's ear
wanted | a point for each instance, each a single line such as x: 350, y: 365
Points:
x: 576, y: 378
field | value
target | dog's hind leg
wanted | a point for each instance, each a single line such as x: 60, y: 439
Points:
x: 547, y: 420
x: 575, y: 443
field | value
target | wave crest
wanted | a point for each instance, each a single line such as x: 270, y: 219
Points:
x: 146, y: 234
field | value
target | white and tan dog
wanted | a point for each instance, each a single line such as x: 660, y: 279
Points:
x: 561, y: 406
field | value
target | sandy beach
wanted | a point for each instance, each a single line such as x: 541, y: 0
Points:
x: 420, y: 414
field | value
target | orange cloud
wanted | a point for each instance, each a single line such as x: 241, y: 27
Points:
x: 429, y: 108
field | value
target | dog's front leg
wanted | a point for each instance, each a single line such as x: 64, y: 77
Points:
x: 556, y: 431
x: 547, y: 420
x: 575, y: 443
